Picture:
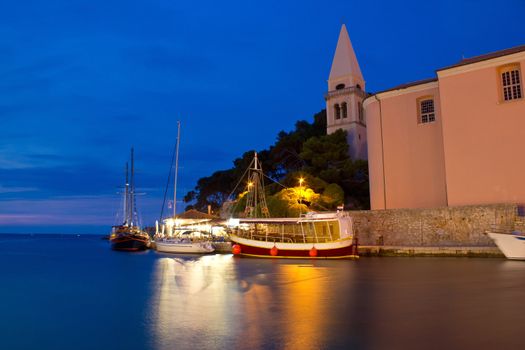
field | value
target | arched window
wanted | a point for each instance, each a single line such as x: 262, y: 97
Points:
x: 344, y: 110
x: 511, y: 82
x: 340, y: 86
x: 361, y: 112
x: 426, y: 111
x: 358, y: 86
x: 337, y: 111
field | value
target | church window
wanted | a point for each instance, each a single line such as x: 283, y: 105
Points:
x: 427, y: 112
x: 340, y: 86
x: 361, y: 112
x: 344, y: 110
x: 511, y: 82
x: 337, y: 110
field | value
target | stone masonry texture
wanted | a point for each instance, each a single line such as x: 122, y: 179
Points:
x: 445, y: 227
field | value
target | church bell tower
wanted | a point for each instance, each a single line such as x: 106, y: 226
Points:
x: 344, y: 99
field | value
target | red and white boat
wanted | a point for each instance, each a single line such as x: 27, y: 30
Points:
x: 326, y: 235
x: 314, y: 235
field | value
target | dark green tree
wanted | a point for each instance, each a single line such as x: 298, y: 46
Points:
x: 322, y: 160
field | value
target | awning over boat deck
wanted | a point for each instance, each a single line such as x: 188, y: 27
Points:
x: 285, y: 220
x: 267, y: 220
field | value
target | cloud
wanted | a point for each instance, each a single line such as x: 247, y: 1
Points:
x: 4, y: 189
x: 55, y: 176
x: 25, y: 156
x: 59, y: 211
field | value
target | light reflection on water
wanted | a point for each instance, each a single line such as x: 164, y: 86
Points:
x: 64, y: 293
x: 221, y: 301
x: 218, y: 301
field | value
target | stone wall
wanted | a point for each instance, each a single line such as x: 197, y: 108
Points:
x: 446, y: 227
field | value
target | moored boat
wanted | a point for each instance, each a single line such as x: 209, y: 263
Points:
x: 325, y: 235
x: 171, y: 238
x: 315, y: 235
x: 183, y: 243
x: 128, y: 236
x: 511, y: 244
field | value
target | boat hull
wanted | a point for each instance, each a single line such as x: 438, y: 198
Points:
x: 343, y: 249
x: 184, y: 248
x: 129, y: 243
x: 512, y: 246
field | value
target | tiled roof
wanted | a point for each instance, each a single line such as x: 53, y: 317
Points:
x: 487, y: 56
x: 407, y: 85
x: 194, y: 214
x: 463, y: 62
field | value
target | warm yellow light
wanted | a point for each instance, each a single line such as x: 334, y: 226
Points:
x: 250, y: 184
x: 301, y: 180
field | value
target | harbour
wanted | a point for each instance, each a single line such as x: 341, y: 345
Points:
x: 64, y: 291
x: 259, y: 175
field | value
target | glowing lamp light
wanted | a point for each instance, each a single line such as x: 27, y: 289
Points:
x: 233, y: 222
x: 250, y: 184
x: 301, y: 180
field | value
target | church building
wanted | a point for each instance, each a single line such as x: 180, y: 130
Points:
x: 455, y: 139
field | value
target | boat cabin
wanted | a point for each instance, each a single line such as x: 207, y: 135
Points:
x: 310, y: 228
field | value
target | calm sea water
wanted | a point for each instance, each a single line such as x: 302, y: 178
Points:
x: 68, y: 292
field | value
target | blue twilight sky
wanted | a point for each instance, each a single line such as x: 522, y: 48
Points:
x: 82, y: 81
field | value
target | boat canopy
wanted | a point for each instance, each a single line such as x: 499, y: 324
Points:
x: 310, y: 217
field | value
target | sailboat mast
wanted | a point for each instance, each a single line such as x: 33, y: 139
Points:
x: 176, y: 171
x: 132, y: 190
x: 126, y: 193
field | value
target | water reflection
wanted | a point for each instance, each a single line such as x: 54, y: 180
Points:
x: 189, y: 300
x: 219, y: 301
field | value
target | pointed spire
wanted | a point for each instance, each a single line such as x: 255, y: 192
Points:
x: 345, y: 62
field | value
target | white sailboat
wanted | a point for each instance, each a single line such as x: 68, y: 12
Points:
x: 511, y: 244
x: 171, y: 237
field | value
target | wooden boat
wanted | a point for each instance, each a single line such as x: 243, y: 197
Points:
x: 314, y: 235
x: 327, y: 235
x: 511, y: 244
x: 128, y: 236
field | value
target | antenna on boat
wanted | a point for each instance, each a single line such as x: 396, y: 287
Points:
x: 256, y: 200
x: 176, y: 171
x: 126, y: 199
x: 132, y: 190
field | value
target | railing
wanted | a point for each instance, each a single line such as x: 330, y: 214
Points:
x: 351, y: 89
x: 286, y: 238
x: 510, y: 229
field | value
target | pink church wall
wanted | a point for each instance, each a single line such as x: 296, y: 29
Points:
x: 411, y: 153
x: 483, y: 136
x: 375, y: 158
